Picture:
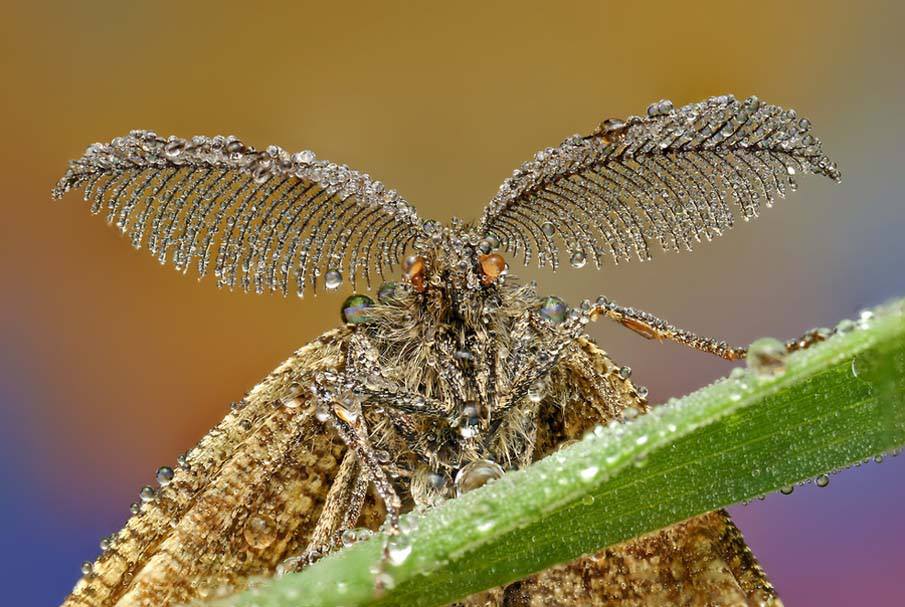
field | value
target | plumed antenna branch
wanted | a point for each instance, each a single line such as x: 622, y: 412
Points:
x: 671, y: 177
x: 261, y: 219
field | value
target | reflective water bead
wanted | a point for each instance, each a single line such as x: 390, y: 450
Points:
x: 625, y: 372
x: 355, y: 309
x: 548, y: 228
x: 823, y: 480
x: 398, y: 549
x: 767, y: 356
x: 147, y: 494
x: 578, y: 259
x: 164, y: 475
x: 87, y: 568
x: 612, y: 129
x: 787, y: 490
x: 260, y: 531
x: 333, y: 279
x: 348, y: 408
x: 476, y: 474
x: 349, y: 537
x: 553, y: 309
x: 845, y: 326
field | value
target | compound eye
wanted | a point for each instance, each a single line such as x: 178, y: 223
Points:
x: 414, y: 268
x: 492, y: 267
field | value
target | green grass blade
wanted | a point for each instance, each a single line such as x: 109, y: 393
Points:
x: 838, y: 403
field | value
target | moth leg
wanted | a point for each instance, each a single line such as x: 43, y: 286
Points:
x: 341, y: 510
x: 650, y: 327
x: 534, y: 366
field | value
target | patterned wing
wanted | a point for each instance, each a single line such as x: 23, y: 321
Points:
x: 671, y: 177
x: 245, y: 498
x: 272, y: 217
x: 701, y: 562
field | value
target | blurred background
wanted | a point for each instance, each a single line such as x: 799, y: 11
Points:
x: 111, y: 366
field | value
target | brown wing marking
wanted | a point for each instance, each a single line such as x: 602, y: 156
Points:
x: 247, y: 497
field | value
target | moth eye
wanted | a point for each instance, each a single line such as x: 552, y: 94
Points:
x: 414, y: 268
x: 354, y: 310
x: 492, y: 266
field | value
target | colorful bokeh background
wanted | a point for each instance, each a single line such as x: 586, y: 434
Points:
x: 111, y: 365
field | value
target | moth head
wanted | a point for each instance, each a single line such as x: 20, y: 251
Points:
x: 454, y: 259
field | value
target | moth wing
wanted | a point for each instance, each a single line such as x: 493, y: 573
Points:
x: 703, y: 561
x: 247, y: 497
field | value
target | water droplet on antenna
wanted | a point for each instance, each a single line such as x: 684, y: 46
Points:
x: 333, y: 279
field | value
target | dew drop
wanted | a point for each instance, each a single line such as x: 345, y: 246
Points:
x: 845, y: 326
x: 767, y: 357
x: 578, y: 259
x: 87, y: 568
x: 333, y: 279
x: 134, y: 507
x: 822, y: 481
x: 476, y: 474
x: 147, y: 494
x: 260, y: 531
x: 349, y: 537
x: 164, y: 475
x: 613, y: 129
x: 787, y: 490
x: 399, y: 549
x: 485, y: 526
x: 355, y: 309
x: 854, y: 367
x: 385, y: 581
x: 589, y: 473
x: 548, y: 228
x: 625, y: 372
x: 173, y: 148
x: 553, y: 310
x: 348, y: 408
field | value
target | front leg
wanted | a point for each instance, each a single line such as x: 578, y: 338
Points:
x: 650, y: 327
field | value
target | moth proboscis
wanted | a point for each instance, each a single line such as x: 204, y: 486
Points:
x: 456, y: 374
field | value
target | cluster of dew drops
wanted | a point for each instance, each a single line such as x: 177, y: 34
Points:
x: 767, y: 358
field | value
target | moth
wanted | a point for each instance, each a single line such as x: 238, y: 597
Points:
x: 456, y: 373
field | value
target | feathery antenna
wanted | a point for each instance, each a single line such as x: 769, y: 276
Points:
x: 262, y: 218
x: 668, y: 177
